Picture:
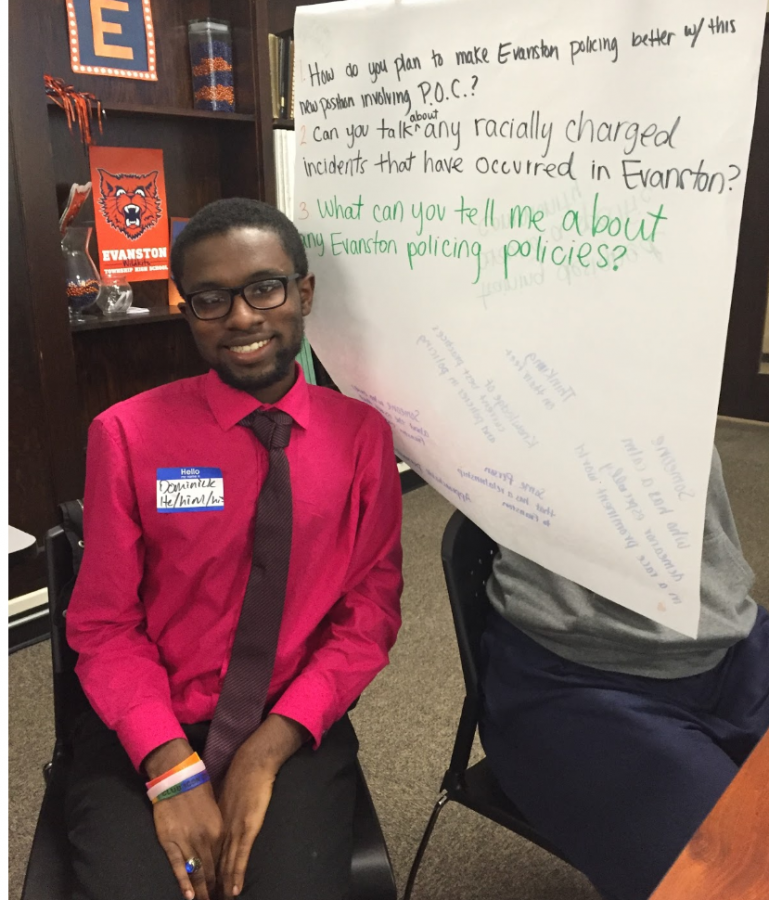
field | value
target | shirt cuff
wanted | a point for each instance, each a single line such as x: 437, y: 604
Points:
x: 308, y: 701
x: 145, y: 728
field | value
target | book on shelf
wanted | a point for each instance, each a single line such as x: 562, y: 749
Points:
x: 291, y: 80
x: 285, y: 160
x: 282, y: 76
x: 274, y: 45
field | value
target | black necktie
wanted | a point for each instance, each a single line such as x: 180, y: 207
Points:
x: 240, y: 708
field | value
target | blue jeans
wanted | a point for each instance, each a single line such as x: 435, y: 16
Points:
x: 618, y: 771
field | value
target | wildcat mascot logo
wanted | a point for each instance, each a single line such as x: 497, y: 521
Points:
x: 129, y: 203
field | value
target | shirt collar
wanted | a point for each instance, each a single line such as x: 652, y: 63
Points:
x: 229, y: 405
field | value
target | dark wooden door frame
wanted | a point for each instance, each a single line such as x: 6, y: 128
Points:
x: 46, y: 439
x: 29, y: 144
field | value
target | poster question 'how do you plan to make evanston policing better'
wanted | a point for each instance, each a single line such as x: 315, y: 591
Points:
x: 523, y: 218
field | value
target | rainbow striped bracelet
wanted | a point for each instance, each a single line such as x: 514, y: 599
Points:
x: 188, y: 773
x: 187, y: 785
x: 192, y: 758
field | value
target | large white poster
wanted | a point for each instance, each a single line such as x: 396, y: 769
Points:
x: 523, y: 217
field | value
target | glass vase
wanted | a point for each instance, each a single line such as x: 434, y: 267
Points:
x: 83, y: 281
x: 116, y: 295
x: 213, y: 86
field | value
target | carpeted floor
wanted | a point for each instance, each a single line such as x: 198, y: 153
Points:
x: 406, y: 719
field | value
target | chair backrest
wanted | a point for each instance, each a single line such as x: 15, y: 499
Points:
x: 467, y: 553
x: 68, y: 697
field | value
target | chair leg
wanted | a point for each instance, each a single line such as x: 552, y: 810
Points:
x: 442, y: 801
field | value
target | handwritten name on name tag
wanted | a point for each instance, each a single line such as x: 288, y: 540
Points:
x: 190, y: 489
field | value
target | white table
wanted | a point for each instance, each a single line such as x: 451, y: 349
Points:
x: 20, y: 544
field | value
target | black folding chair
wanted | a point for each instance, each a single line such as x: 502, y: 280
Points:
x: 49, y: 871
x: 467, y: 554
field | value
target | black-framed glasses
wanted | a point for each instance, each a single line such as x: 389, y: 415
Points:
x: 216, y: 303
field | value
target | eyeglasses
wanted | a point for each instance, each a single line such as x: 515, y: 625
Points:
x: 216, y: 303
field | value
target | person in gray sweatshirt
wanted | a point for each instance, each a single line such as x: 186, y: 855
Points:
x: 614, y: 735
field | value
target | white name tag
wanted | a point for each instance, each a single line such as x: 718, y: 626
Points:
x: 190, y: 489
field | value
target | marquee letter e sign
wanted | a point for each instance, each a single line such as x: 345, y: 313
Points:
x: 113, y: 38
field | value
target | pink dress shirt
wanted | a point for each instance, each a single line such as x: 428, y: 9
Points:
x: 158, y: 596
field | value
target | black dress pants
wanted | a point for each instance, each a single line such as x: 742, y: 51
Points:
x: 303, y: 851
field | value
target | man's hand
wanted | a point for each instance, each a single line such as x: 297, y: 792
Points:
x: 187, y: 825
x: 247, y: 791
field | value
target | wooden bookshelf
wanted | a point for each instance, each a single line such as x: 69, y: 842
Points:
x: 137, y: 109
x: 61, y: 376
x: 121, y: 320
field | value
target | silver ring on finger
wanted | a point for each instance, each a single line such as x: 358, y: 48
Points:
x: 193, y: 865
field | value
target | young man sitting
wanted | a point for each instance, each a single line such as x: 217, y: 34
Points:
x: 239, y: 589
